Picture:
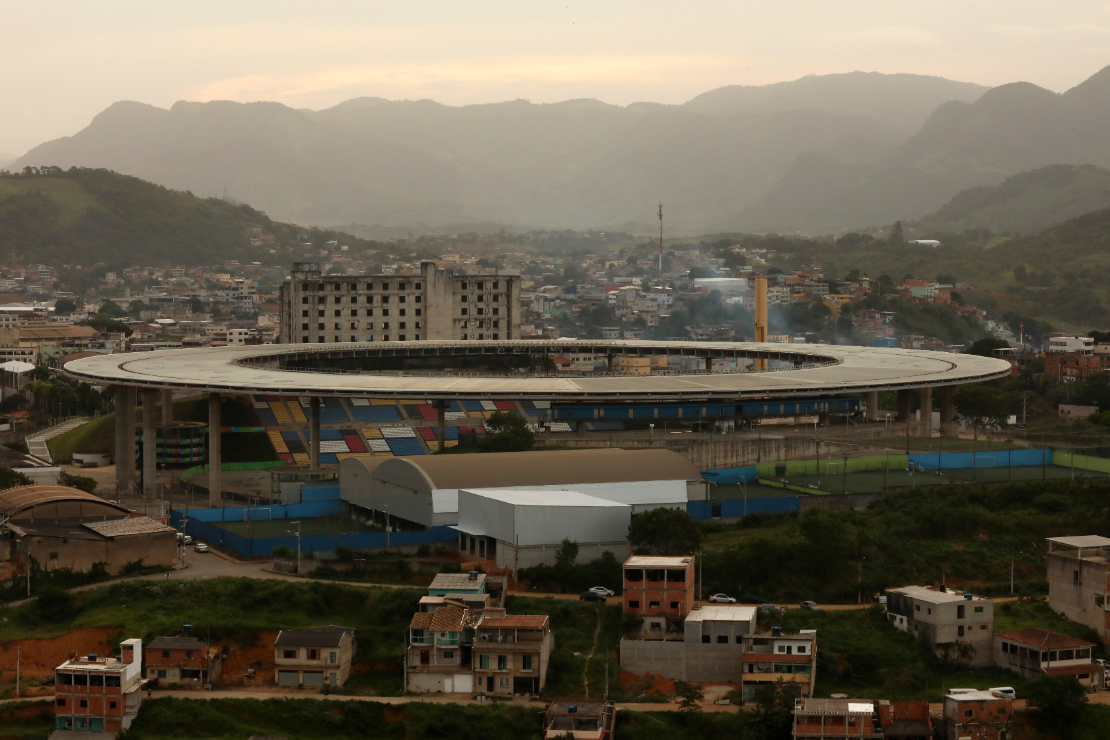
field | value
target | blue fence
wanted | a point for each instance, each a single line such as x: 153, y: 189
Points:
x: 249, y: 547
x: 327, y: 507
x: 991, y: 459
x: 733, y: 508
x: 730, y: 475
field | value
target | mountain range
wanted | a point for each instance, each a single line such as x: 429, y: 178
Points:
x: 575, y: 164
x: 818, y: 155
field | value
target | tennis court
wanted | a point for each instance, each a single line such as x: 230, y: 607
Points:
x: 834, y: 480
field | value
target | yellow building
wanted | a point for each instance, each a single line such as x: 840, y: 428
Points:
x: 835, y: 301
x: 634, y: 365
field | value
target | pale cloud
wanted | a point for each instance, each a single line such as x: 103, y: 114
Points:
x: 896, y: 36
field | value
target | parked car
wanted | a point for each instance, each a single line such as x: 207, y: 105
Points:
x: 188, y: 539
x: 722, y: 599
x: 201, y: 547
x: 750, y: 599
x: 603, y: 591
x: 591, y: 596
x: 811, y: 605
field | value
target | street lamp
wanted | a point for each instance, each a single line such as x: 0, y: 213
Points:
x: 298, y: 545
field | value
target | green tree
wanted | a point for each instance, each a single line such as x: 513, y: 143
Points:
x: 56, y: 605
x: 773, y: 717
x: 688, y: 695
x: 983, y: 407
x: 111, y: 310
x: 64, y: 306
x: 986, y: 347
x: 1058, y: 702
x: 507, y: 432
x: 664, y: 531
x: 567, y: 554
x: 896, y: 238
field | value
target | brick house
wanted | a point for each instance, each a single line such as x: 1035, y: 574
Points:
x: 977, y: 715
x: 95, y: 694
x: 182, y: 659
x: 1034, y: 653
x: 662, y: 591
x: 511, y: 653
x: 315, y: 656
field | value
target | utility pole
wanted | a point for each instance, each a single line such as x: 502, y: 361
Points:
x: 17, y: 670
x: 660, y: 244
x: 298, y: 546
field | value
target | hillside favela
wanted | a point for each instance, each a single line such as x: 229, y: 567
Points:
x: 723, y: 371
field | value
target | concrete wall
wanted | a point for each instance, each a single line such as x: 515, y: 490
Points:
x: 1076, y: 588
x: 687, y: 661
x: 53, y: 553
x: 508, y: 556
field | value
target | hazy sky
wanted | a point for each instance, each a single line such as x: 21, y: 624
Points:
x: 63, y: 62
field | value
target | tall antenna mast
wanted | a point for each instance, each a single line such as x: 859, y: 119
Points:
x: 660, y: 243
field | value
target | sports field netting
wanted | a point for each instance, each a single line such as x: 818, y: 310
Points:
x: 873, y: 481
x: 282, y: 527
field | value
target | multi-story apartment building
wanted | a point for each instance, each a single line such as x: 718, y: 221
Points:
x: 774, y: 656
x: 315, y: 656
x: 95, y: 694
x: 435, y: 304
x: 662, y: 591
x: 977, y: 715
x: 1078, y: 572
x: 1034, y: 653
x: 182, y: 659
x: 945, y: 617
x: 465, y: 647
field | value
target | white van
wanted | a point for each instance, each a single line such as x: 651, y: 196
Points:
x: 1007, y: 691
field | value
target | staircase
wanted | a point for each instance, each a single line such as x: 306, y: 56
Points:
x: 36, y: 443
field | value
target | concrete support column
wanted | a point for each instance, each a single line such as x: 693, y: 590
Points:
x: 314, y: 422
x: 125, y: 439
x: 150, y: 444
x: 903, y: 405
x: 609, y: 363
x: 708, y: 364
x: 948, y: 424
x: 167, y: 407
x: 873, y: 406
x: 215, y: 453
x: 578, y: 427
x: 926, y: 423
x: 441, y: 423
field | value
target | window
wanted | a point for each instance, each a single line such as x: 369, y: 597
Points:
x: 80, y: 679
x: 526, y: 662
x: 338, y: 299
x: 722, y: 639
x: 418, y: 310
x: 385, y: 299
x: 111, y: 705
x: 61, y: 702
x: 304, y: 313
x: 982, y: 626
x: 917, y: 607
x: 968, y: 713
x: 633, y: 604
x: 289, y: 654
x: 402, y: 312
x: 313, y: 654
x: 705, y: 639
x: 464, y: 311
x: 978, y: 610
x: 354, y: 312
x: 656, y: 625
x: 400, y: 299
x: 84, y: 703
x: 653, y: 605
x: 960, y: 611
x: 418, y: 301
x: 161, y: 673
x: 96, y: 679
x: 53, y: 556
x: 1075, y: 576
x: 165, y: 653
x: 188, y: 655
x: 674, y: 604
x: 782, y: 648
x: 960, y: 630
x: 930, y: 611
x: 385, y: 312
x: 503, y: 683
x: 502, y: 662
x: 320, y: 312
x: 304, y: 299
x: 801, y: 650
x: 333, y: 657
x: 483, y: 662
x: 448, y: 654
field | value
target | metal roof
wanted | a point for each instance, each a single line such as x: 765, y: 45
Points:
x: 329, y: 635
x: 821, y: 370
x: 1083, y: 542
x: 15, y: 500
x: 451, y: 581
x: 543, y: 498
x: 1044, y: 639
x: 515, y: 621
x: 525, y: 469
x: 933, y: 596
x: 127, y: 527
x: 658, y: 561
x: 721, y: 613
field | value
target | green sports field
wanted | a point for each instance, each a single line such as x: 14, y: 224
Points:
x: 833, y: 479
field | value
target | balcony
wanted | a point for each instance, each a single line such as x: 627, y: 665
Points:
x: 447, y: 641
x: 426, y: 640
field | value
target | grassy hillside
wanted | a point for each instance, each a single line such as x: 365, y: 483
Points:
x: 86, y: 216
x: 1026, y: 203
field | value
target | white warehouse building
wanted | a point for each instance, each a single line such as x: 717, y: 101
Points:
x: 520, y: 529
x: 424, y: 490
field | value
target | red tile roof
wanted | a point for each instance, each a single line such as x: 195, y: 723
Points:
x: 1044, y: 639
x: 514, y: 621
